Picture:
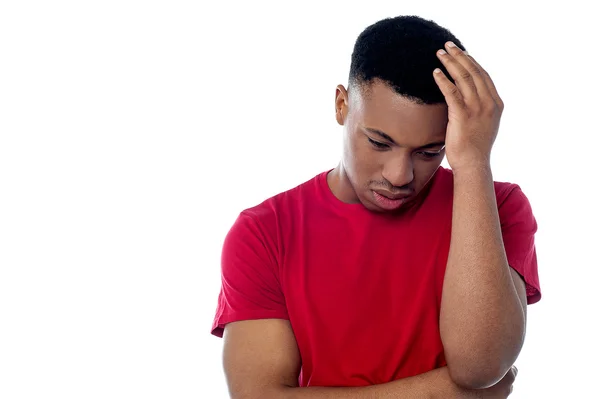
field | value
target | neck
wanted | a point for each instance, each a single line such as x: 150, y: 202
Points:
x: 340, y: 185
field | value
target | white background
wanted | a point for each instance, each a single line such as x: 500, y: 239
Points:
x: 132, y: 133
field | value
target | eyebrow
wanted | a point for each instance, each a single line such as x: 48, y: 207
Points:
x: 388, y: 138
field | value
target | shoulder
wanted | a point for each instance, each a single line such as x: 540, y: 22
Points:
x: 514, y: 209
x: 510, y: 196
x: 506, y: 192
x: 513, y: 204
x: 274, y: 209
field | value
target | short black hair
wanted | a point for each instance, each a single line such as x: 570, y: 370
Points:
x: 401, y: 52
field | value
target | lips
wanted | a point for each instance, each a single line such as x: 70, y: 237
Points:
x: 392, y: 196
x: 389, y: 203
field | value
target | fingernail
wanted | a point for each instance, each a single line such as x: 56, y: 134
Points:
x: 451, y: 44
x: 441, y: 52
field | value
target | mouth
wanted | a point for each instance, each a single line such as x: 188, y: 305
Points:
x: 388, y: 201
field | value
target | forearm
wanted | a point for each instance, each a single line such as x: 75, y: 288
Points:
x: 481, y: 321
x: 433, y: 384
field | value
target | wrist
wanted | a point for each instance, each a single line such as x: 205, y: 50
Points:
x: 473, y: 160
x: 443, y: 386
x: 473, y: 169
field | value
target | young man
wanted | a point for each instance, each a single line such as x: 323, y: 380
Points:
x: 388, y: 276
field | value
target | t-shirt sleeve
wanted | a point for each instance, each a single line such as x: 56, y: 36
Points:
x: 250, y: 287
x: 518, y: 230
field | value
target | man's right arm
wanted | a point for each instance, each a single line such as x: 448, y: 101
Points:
x: 261, y: 360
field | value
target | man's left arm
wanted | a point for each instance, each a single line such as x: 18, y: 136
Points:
x: 483, y: 314
x: 483, y: 310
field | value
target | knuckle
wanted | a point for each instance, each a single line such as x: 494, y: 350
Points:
x: 476, y: 71
x: 475, y: 109
x: 465, y: 74
x: 454, y: 91
x: 490, y: 107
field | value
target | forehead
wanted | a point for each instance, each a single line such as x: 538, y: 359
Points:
x: 378, y: 106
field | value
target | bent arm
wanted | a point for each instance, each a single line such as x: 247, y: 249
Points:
x: 261, y: 360
x: 483, y: 311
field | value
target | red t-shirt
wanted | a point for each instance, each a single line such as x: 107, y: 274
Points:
x: 362, y: 290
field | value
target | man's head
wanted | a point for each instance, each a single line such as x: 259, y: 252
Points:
x: 393, y: 113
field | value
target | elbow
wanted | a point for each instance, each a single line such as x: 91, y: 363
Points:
x: 474, y: 380
x: 479, y: 370
x: 484, y: 364
x: 480, y: 377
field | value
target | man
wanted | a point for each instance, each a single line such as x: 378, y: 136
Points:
x: 388, y: 276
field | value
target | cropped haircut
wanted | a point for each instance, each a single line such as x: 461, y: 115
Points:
x: 401, y: 52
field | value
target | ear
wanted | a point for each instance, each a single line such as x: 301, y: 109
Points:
x: 341, y: 104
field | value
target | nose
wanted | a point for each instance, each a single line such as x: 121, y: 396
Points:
x: 399, y: 171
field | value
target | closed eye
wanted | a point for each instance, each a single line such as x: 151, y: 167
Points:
x: 377, y: 144
x: 429, y: 155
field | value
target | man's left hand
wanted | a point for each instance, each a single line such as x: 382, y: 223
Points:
x: 474, y: 109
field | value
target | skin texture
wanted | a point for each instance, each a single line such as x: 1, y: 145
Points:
x: 483, y: 299
x: 403, y: 162
x: 261, y: 360
x: 483, y: 302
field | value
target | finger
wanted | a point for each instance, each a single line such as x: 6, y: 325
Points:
x: 489, y: 83
x: 515, y: 371
x: 462, y: 78
x: 511, y: 375
x: 452, y: 94
x: 477, y: 73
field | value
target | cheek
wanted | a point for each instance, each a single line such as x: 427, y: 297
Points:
x: 355, y: 149
x: 367, y: 159
x: 425, y: 170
